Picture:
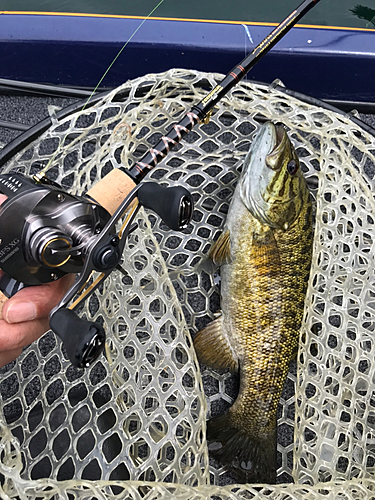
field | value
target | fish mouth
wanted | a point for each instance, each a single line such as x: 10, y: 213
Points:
x: 279, y: 147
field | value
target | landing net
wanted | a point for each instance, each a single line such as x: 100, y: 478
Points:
x: 133, y: 425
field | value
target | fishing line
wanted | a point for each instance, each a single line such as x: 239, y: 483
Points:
x: 120, y: 51
x: 43, y: 170
x: 248, y: 33
x: 247, y: 36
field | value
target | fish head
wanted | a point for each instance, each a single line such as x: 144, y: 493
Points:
x: 271, y: 184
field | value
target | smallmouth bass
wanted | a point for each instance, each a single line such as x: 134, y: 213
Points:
x: 265, y: 256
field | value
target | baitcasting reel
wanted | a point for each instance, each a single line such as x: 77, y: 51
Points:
x: 47, y: 233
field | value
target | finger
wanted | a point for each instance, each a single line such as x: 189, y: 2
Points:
x: 35, y: 302
x: 3, y: 299
x: 2, y: 198
x: 18, y: 335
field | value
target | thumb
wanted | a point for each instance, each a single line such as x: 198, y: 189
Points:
x: 36, y: 302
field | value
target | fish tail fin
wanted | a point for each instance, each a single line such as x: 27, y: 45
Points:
x: 251, y: 459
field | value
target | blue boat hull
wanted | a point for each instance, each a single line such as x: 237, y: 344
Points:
x: 76, y: 50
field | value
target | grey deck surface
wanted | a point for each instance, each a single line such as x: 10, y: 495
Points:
x: 31, y: 110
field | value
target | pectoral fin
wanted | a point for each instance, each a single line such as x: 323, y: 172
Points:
x: 220, y: 251
x: 213, y: 348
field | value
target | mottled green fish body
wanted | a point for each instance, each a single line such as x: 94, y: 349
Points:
x: 265, y: 256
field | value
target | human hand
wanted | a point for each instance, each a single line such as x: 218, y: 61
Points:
x: 24, y: 317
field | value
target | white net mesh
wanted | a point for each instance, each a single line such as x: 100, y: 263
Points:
x: 336, y: 405
x: 140, y: 415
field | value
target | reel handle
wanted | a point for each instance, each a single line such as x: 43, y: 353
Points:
x: 83, y: 340
x: 173, y: 204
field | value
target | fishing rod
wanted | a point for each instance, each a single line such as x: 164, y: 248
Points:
x: 47, y: 233
x: 201, y: 111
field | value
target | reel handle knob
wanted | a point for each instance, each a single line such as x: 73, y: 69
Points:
x: 83, y: 340
x: 173, y: 204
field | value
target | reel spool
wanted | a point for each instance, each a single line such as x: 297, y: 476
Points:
x: 47, y: 233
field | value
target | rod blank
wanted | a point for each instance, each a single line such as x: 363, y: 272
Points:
x: 198, y: 112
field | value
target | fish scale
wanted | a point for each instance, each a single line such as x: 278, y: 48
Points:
x: 265, y: 255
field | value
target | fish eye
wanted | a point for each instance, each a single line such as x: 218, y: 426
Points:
x: 292, y: 167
